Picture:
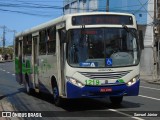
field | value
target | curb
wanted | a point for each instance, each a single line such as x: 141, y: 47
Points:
x: 6, y: 61
x: 149, y: 79
x: 154, y: 82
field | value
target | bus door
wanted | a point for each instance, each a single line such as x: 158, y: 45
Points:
x: 61, y: 59
x: 35, y: 43
x: 19, y: 61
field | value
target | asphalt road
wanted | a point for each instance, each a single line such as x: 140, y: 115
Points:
x: 147, y: 102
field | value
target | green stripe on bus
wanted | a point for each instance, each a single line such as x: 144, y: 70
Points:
x: 17, y: 69
x: 28, y: 67
x: 23, y: 68
x: 121, y: 80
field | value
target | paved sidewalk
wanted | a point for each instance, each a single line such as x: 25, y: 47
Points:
x: 150, y: 79
x: 1, y: 109
x: 5, y: 106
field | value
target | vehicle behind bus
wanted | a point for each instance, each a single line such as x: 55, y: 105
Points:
x: 1, y: 58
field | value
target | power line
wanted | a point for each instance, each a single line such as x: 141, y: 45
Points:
x: 25, y: 13
x: 141, y: 6
x: 28, y: 6
x: 28, y: 3
x: 31, y: 5
x: 34, y: 0
x: 146, y: 9
x: 4, y: 40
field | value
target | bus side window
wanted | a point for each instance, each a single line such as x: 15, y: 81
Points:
x: 28, y: 48
x: 42, y: 42
x: 25, y: 45
x: 16, y: 47
x: 51, y: 40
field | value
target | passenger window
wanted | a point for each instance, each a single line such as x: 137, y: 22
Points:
x: 42, y: 42
x: 27, y: 44
x: 16, y: 47
x: 51, y: 40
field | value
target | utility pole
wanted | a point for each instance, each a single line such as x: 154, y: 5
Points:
x: 14, y: 33
x: 4, y: 39
x: 158, y: 35
x: 5, y: 29
x: 155, y: 43
x: 107, y: 6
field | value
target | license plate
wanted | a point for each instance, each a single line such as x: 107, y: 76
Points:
x: 106, y: 90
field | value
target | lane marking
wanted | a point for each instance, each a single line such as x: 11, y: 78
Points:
x: 13, y: 74
x: 149, y: 88
x: 137, y: 118
x: 149, y: 97
x: 4, y: 70
x: 8, y: 72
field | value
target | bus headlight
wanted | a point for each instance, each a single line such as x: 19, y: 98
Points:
x: 75, y: 82
x: 133, y: 81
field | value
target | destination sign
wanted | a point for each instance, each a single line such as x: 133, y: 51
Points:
x: 102, y: 19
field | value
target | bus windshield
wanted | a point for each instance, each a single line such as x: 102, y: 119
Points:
x: 102, y: 47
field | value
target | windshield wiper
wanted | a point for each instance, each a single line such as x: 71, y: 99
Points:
x: 129, y: 31
x: 83, y: 32
x: 82, y: 35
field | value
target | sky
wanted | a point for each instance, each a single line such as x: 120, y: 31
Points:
x: 20, y: 15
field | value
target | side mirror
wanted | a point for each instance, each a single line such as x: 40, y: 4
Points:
x: 141, y: 40
x: 63, y: 36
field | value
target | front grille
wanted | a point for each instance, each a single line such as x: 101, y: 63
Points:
x: 105, y: 75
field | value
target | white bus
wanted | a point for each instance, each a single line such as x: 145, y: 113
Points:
x: 84, y: 55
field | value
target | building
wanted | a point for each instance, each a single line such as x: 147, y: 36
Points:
x: 74, y: 6
x: 144, y: 10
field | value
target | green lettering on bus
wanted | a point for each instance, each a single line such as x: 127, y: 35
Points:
x: 28, y: 67
x: 121, y: 80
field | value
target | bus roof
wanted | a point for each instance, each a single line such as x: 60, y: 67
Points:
x: 63, y: 18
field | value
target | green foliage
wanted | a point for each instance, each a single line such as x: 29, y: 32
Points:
x: 8, y: 50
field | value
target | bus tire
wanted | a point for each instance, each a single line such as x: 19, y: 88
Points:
x: 116, y: 100
x: 57, y: 99
x: 29, y: 90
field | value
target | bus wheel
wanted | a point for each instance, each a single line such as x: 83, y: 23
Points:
x: 116, y: 100
x: 57, y: 98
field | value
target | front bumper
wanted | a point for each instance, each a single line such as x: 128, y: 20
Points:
x: 94, y: 91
